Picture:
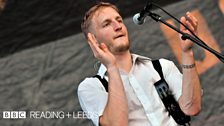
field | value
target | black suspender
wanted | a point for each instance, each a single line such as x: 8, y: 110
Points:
x: 103, y: 81
x: 165, y: 94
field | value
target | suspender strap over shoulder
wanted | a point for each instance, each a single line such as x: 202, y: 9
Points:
x: 103, y: 81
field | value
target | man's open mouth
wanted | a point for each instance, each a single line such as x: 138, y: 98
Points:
x: 118, y: 36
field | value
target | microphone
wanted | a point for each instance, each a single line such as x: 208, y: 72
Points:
x: 139, y: 18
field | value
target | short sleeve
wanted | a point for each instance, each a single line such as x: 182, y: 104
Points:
x: 173, y: 77
x: 92, y: 98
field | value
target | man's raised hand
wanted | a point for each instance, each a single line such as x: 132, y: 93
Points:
x: 101, y: 51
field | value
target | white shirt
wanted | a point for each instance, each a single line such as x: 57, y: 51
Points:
x: 145, y: 105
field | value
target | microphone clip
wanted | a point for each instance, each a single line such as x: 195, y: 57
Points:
x: 155, y: 16
x: 146, y: 11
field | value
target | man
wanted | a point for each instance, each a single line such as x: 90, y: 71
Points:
x: 132, y: 99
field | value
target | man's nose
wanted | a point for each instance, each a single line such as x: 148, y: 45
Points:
x: 117, y: 26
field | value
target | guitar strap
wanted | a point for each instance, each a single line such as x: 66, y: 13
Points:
x: 168, y: 99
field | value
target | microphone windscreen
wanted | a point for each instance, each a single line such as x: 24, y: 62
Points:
x: 136, y: 19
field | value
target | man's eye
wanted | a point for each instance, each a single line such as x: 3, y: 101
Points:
x: 106, y: 24
x: 120, y: 21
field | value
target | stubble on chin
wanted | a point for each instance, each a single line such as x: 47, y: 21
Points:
x: 120, y: 48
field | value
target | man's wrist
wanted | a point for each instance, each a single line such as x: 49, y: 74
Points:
x: 188, y: 66
x: 111, y: 68
x: 188, y: 61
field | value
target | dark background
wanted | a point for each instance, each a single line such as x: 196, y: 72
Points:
x: 28, y: 23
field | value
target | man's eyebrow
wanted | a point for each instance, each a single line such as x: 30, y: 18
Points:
x: 109, y: 20
x: 118, y: 17
x: 106, y: 20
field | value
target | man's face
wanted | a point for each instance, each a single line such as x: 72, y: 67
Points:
x: 108, y: 27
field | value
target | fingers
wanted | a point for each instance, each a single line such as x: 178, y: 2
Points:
x: 94, y: 44
x: 99, y: 49
x: 92, y: 39
x: 183, y: 20
x: 104, y: 47
x: 190, y: 21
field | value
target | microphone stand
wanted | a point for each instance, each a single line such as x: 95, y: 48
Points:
x: 185, y: 36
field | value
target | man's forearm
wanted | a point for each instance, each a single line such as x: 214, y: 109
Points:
x: 190, y: 100
x: 116, y: 111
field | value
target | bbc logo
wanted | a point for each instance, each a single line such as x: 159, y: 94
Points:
x: 14, y: 114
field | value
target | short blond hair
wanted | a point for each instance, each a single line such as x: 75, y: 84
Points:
x: 86, y: 22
